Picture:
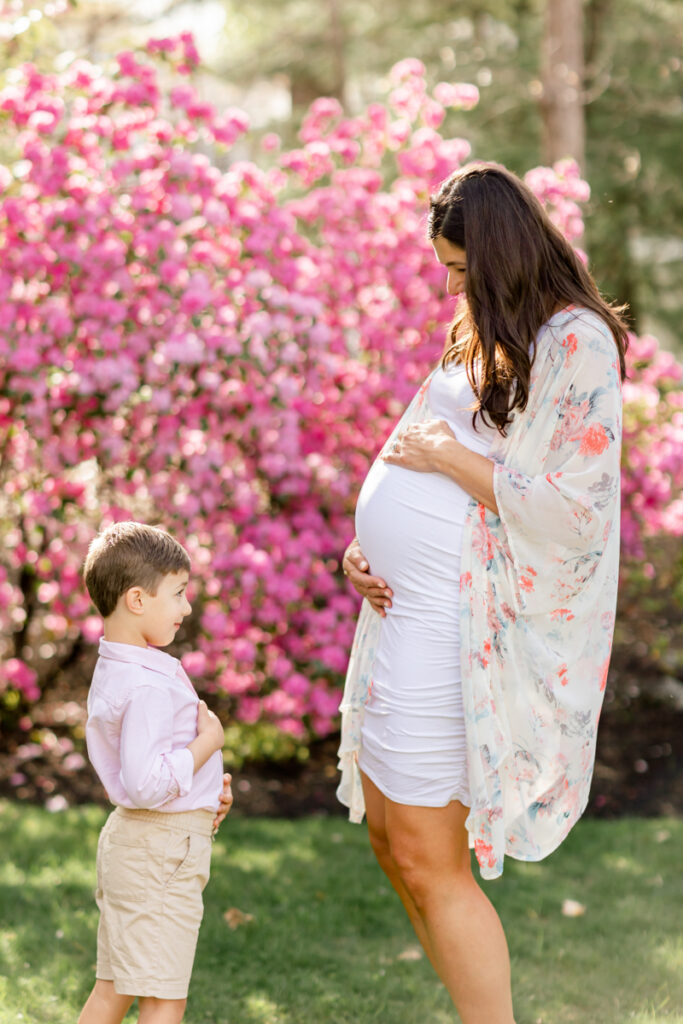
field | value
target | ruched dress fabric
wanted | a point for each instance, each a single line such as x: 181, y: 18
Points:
x: 410, y: 528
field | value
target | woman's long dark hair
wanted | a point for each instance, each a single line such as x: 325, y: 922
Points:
x: 519, y: 268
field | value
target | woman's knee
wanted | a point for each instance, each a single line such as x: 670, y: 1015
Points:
x: 423, y: 876
x: 379, y: 843
x: 411, y: 867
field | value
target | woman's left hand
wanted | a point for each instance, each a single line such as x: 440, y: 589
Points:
x: 421, y: 446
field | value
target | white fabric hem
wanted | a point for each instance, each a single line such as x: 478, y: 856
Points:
x: 458, y: 795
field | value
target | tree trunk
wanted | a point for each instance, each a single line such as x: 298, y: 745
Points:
x: 309, y: 81
x: 562, y: 71
x: 337, y: 38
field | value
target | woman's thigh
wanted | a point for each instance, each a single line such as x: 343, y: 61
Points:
x: 428, y: 843
x: 375, y: 804
x: 429, y: 838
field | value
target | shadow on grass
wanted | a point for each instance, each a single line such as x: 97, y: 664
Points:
x: 326, y: 936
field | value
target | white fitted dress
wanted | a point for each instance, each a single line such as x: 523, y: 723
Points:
x: 409, y: 526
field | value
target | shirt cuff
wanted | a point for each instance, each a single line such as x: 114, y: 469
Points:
x: 181, y: 766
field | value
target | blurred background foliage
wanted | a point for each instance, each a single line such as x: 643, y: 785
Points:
x: 273, y: 57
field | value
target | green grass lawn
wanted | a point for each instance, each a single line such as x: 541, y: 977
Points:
x: 328, y: 942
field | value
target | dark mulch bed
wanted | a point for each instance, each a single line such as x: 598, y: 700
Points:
x: 639, y: 767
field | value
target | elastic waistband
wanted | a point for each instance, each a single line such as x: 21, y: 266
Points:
x: 200, y: 822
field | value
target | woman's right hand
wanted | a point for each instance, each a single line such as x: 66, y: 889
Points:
x: 374, y: 588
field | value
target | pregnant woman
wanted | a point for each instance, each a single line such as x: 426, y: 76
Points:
x: 487, y: 553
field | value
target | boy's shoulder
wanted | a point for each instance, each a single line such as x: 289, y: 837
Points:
x: 122, y: 668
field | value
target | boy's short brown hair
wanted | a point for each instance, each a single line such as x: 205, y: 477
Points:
x: 130, y: 555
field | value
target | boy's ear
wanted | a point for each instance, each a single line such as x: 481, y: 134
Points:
x: 133, y: 598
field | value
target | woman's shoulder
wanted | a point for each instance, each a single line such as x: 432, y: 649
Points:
x: 573, y: 330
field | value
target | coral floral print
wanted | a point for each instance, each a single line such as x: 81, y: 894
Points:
x: 538, y: 598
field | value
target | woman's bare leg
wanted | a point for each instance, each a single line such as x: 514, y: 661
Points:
x: 424, y: 853
x: 375, y: 802
x: 430, y: 849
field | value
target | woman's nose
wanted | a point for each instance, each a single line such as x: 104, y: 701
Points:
x: 455, y: 284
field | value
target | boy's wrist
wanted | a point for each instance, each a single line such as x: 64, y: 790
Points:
x: 203, y: 747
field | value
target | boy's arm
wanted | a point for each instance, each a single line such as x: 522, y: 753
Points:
x: 152, y: 773
x: 210, y: 736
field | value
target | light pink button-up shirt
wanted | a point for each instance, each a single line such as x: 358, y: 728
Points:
x: 142, y: 713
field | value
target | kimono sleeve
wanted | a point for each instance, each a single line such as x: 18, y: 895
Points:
x: 557, y: 520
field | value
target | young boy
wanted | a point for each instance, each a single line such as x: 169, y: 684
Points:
x: 157, y: 750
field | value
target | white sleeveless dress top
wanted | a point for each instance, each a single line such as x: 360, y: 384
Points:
x: 410, y: 525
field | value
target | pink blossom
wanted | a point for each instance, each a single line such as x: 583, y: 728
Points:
x: 295, y: 727
x: 457, y: 94
x: 196, y: 341
x: 249, y: 710
x: 270, y: 142
x: 91, y: 628
x: 407, y: 69
x: 279, y: 703
x: 194, y: 663
x: 20, y: 676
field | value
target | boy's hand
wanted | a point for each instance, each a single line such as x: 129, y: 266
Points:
x: 209, y: 726
x: 210, y: 736
x: 225, y: 802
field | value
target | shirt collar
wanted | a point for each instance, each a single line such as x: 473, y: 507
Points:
x: 150, y: 657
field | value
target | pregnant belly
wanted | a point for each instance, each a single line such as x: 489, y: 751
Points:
x: 409, y: 526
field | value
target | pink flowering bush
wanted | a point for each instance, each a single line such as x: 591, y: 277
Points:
x: 652, y: 479
x: 219, y: 347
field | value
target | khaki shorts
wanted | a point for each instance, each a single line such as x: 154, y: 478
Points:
x: 151, y: 870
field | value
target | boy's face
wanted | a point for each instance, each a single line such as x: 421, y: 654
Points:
x: 161, y: 614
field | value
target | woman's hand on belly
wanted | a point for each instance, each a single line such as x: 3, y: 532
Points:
x: 374, y: 588
x: 432, y: 447
x: 420, y: 447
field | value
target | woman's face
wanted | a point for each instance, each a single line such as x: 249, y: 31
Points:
x: 453, y: 259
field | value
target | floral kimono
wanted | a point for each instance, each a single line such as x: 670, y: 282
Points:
x: 538, y: 594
